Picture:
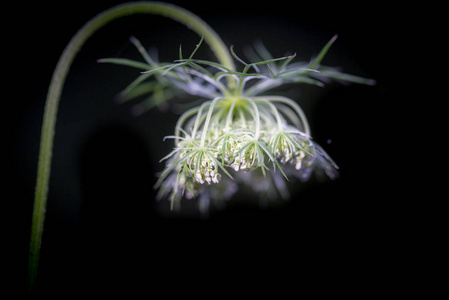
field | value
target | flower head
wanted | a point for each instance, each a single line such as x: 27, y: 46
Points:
x: 238, y: 129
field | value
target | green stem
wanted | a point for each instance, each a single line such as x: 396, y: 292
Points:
x: 45, y: 153
x: 256, y: 117
x: 293, y: 105
x: 206, y: 123
x: 274, y: 109
x: 183, y: 118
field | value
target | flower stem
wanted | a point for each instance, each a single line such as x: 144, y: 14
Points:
x: 256, y: 117
x: 51, y: 107
x: 292, y: 104
x: 206, y: 123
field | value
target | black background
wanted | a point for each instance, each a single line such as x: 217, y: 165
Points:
x: 104, y: 234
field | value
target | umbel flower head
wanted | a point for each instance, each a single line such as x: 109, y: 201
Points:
x: 239, y: 134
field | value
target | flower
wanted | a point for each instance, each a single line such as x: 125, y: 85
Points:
x: 238, y: 135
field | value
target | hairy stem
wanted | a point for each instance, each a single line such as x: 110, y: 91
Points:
x: 51, y: 107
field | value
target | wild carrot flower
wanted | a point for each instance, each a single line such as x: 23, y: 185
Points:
x: 239, y: 134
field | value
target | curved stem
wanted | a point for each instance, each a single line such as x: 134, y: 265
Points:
x: 256, y: 117
x: 230, y: 115
x: 181, y: 121
x: 171, y: 11
x: 293, y: 105
x: 198, y: 117
x: 206, y: 123
x: 274, y: 109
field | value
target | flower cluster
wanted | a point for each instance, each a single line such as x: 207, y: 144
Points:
x: 239, y: 132
x: 224, y: 137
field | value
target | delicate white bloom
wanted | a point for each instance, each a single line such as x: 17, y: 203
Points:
x: 238, y: 133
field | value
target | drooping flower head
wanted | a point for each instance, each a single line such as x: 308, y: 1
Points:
x: 240, y: 134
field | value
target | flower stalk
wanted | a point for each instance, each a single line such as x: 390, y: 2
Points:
x: 51, y: 107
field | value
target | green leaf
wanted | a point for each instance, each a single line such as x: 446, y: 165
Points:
x: 135, y: 83
x: 287, y: 61
x: 236, y: 57
x: 137, y: 91
x: 265, y: 62
x: 206, y: 62
x: 273, y: 159
x: 307, y: 80
x: 293, y: 72
x: 142, y: 51
x: 322, y: 53
x: 196, y: 48
x: 180, y: 52
x: 220, y: 165
x: 297, y: 145
x: 171, y: 68
x: 152, y: 71
x: 241, y: 150
x: 125, y: 62
x: 346, y: 77
x: 239, y: 74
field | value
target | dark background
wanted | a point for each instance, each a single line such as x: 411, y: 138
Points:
x: 105, y: 235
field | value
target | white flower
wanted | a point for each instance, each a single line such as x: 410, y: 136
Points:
x: 236, y: 129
